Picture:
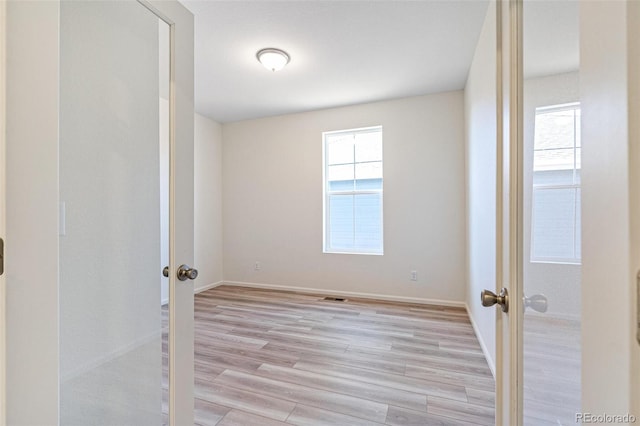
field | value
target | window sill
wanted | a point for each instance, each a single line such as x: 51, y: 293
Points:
x: 558, y: 262
x: 352, y: 252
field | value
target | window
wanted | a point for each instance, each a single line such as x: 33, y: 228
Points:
x: 555, y: 222
x: 353, y: 191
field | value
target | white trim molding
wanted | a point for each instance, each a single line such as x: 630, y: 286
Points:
x: 206, y: 287
x: 416, y: 300
x: 3, y: 310
x: 196, y: 290
x: 483, y: 345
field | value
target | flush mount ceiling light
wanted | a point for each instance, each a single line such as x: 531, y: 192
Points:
x: 273, y: 59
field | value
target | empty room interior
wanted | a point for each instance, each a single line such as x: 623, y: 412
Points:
x: 345, y: 193
x: 331, y: 218
x: 344, y: 214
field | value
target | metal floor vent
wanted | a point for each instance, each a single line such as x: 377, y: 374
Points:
x: 335, y: 299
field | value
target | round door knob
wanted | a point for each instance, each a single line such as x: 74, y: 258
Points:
x: 489, y: 298
x: 186, y: 272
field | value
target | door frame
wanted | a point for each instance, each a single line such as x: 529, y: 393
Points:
x: 509, y: 202
x: 501, y: 390
x: 3, y: 26
x: 516, y: 209
x: 634, y: 138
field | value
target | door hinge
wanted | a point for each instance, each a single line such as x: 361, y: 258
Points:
x: 1, y: 256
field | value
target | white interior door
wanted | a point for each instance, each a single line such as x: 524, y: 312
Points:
x: 181, y: 208
x: 568, y: 216
x: 93, y: 86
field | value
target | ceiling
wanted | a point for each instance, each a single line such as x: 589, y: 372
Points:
x: 342, y: 52
x: 350, y: 52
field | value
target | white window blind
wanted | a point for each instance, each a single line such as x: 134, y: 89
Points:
x: 353, y: 191
x: 556, y: 221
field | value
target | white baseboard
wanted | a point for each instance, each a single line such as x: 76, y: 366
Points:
x: 206, y: 287
x: 483, y: 346
x: 197, y: 290
x: 421, y: 301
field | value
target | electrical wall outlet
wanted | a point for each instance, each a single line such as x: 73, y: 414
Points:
x: 257, y: 266
x: 414, y: 275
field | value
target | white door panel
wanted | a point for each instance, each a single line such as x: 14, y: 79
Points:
x: 572, y: 253
x: 181, y: 215
x: 84, y: 315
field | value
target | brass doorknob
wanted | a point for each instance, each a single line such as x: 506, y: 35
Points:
x: 489, y: 298
x: 186, y: 272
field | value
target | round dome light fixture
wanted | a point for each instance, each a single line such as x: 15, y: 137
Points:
x: 273, y: 59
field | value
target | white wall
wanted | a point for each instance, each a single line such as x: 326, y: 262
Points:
x: 208, y: 201
x: 560, y: 283
x: 272, y: 201
x: 481, y: 139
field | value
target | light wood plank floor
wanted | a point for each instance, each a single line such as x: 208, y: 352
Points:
x: 265, y: 357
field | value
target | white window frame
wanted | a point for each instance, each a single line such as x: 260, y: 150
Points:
x: 542, y: 187
x: 326, y: 225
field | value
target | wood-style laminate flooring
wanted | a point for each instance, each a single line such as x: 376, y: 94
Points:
x: 265, y: 357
